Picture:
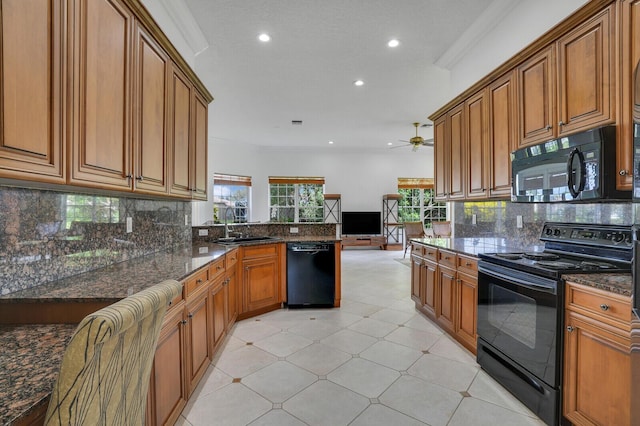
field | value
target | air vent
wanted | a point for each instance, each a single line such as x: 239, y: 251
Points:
x: 296, y: 122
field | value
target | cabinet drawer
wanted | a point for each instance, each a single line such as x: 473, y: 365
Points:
x: 230, y: 259
x: 599, y: 304
x: 446, y: 258
x: 217, y: 268
x: 196, y: 281
x: 176, y: 299
x: 260, y: 250
x: 468, y: 265
x: 417, y: 249
x: 430, y: 253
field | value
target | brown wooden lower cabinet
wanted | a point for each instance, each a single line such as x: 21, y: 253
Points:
x: 198, y: 340
x: 444, y: 286
x: 262, y: 275
x: 597, y: 362
x: 168, y: 389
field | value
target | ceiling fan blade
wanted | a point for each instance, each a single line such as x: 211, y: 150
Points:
x: 428, y: 142
x: 398, y: 146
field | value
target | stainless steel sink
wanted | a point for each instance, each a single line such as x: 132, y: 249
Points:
x: 238, y: 240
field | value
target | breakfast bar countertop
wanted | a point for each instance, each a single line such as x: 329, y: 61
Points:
x: 475, y: 246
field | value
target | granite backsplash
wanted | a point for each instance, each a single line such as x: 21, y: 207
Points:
x: 47, y: 235
x: 499, y: 218
x: 215, y: 231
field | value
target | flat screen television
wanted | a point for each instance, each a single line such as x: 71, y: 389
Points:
x: 361, y: 223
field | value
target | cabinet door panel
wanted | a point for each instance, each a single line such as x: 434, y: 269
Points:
x: 457, y: 156
x: 32, y: 89
x: 168, y: 377
x: 502, y: 130
x: 430, y: 279
x: 150, y: 127
x: 585, y: 75
x: 441, y: 148
x: 416, y: 266
x: 260, y: 283
x: 181, y: 119
x: 446, y: 300
x: 630, y: 56
x: 200, y: 149
x: 199, y: 340
x: 476, y: 145
x: 232, y: 298
x: 536, y: 98
x: 101, y: 149
x: 218, y: 296
x: 467, y: 308
x: 597, y: 374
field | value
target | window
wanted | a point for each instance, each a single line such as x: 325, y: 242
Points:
x: 418, y: 203
x: 89, y: 208
x: 296, y: 199
x: 231, y: 191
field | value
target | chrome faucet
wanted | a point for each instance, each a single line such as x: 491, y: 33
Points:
x: 226, y: 219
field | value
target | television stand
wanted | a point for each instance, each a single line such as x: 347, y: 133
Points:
x: 363, y: 241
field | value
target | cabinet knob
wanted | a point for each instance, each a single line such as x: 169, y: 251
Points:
x: 561, y: 123
x: 468, y: 264
x: 549, y: 127
x: 570, y: 329
x: 623, y: 172
x: 190, y: 315
x: 183, y: 322
x: 129, y: 176
x: 604, y: 307
x: 199, y: 281
x: 140, y: 178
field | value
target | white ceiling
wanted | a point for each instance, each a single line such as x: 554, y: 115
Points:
x: 318, y: 49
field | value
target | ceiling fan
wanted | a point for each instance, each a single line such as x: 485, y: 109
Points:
x: 416, y: 141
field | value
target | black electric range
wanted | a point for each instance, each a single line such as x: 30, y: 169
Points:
x: 520, y: 307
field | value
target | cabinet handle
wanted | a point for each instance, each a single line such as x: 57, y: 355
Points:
x: 140, y: 178
x: 183, y: 322
x: 623, y: 172
x: 170, y: 302
x: 129, y: 176
x: 561, y: 123
x: 218, y: 267
x: 199, y: 281
x: 467, y: 264
x: 549, y: 127
x: 604, y: 307
x: 570, y: 329
x: 190, y: 315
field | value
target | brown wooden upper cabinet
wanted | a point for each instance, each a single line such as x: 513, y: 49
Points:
x: 569, y: 85
x: 502, y: 133
x: 114, y: 130
x: 189, y: 139
x: 449, y: 138
x: 32, y: 90
x: 101, y: 106
x: 477, y: 138
x: 630, y: 56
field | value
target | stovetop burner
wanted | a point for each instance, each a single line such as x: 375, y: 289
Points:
x: 540, y: 256
x: 509, y: 256
x: 553, y: 264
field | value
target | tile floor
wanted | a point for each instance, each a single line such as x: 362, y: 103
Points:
x: 374, y: 361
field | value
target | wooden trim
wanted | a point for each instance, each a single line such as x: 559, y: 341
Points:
x: 296, y: 180
x: 224, y: 179
x: 415, y: 183
x: 143, y: 15
x: 559, y: 30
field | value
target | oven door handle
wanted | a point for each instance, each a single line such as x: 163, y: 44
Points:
x: 575, y: 191
x: 526, y: 284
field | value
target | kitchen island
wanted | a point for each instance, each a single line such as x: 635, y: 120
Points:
x: 34, y: 336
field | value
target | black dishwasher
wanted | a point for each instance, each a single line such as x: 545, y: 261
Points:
x: 311, y: 274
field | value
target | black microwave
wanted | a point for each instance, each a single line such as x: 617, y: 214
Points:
x: 576, y: 168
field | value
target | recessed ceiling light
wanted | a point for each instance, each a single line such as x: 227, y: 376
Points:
x: 389, y: 143
x: 264, y: 37
x: 330, y: 142
x: 393, y: 43
x: 358, y: 82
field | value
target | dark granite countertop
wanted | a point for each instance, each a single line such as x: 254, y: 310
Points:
x: 615, y: 283
x: 31, y: 354
x: 475, y: 246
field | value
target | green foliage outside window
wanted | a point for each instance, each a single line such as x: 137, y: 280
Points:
x: 417, y: 204
x: 296, y: 202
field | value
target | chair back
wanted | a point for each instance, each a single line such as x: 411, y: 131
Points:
x: 413, y: 230
x: 441, y: 229
x: 106, y: 368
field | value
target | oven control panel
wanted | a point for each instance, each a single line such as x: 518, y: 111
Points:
x: 588, y: 234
